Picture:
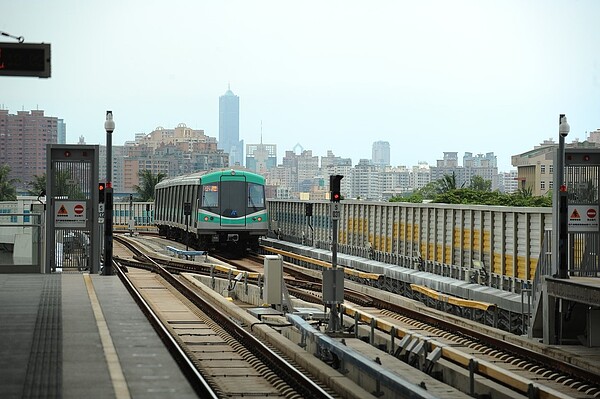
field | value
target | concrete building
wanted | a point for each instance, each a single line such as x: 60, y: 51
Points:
x: 381, y: 153
x: 61, y: 128
x: 261, y: 158
x: 229, y: 127
x: 23, y: 139
x: 535, y: 168
x: 367, y: 181
x: 170, y: 151
x: 479, y: 165
x: 508, y: 182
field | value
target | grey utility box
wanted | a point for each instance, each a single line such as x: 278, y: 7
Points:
x: 273, y: 279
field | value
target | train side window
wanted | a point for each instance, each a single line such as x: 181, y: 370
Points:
x: 256, y: 196
x: 210, y: 195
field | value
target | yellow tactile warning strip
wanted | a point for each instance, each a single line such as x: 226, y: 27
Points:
x: 112, y: 359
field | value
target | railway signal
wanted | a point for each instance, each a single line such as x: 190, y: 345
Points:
x: 101, y: 192
x: 334, y: 187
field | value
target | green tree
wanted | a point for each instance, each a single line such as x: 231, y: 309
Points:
x: 447, y: 183
x: 38, y: 185
x: 8, y: 189
x: 148, y: 180
x: 478, y: 183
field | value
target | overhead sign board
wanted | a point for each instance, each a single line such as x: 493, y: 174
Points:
x: 25, y: 59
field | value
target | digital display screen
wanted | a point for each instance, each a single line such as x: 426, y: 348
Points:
x: 24, y: 59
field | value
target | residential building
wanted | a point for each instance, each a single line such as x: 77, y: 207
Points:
x: 479, y: 165
x: 23, y: 140
x: 366, y: 181
x: 172, y: 152
x: 381, y: 153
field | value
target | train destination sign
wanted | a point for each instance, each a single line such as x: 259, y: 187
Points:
x: 25, y: 59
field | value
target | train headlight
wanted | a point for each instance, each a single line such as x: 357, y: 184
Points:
x: 259, y: 219
x: 206, y: 218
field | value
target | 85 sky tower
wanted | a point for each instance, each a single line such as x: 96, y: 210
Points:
x: 229, y: 127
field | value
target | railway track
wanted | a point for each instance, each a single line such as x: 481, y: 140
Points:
x: 230, y: 362
x: 527, y: 372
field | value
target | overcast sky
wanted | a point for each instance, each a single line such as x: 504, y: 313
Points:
x: 427, y: 76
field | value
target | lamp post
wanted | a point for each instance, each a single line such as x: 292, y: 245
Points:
x: 109, y: 126
x: 563, y: 209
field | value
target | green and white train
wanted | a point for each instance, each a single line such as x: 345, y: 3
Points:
x: 226, y: 208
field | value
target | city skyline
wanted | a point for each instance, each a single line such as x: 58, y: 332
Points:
x: 447, y: 77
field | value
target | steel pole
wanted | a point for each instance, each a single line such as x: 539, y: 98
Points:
x: 109, y: 126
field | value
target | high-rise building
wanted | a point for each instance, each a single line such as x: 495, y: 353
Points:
x: 261, y: 158
x: 381, y: 153
x: 229, y: 127
x: 23, y: 139
x: 61, y: 128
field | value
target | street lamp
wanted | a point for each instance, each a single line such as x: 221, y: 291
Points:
x: 109, y: 126
x: 563, y: 208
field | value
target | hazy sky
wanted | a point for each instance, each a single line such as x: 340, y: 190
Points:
x: 427, y: 76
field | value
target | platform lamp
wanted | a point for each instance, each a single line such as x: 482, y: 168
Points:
x: 109, y: 126
x: 563, y: 267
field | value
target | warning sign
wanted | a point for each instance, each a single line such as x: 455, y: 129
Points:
x: 70, y: 214
x: 583, y: 218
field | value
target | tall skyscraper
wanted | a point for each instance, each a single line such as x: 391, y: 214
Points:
x: 229, y: 128
x: 23, y: 139
x: 62, y: 131
x: 381, y: 153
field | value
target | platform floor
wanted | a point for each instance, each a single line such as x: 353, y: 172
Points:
x: 80, y: 336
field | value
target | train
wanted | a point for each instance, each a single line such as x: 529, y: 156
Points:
x: 211, y: 210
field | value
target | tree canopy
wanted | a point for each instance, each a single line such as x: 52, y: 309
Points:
x: 148, y: 180
x: 478, y: 193
x: 8, y: 189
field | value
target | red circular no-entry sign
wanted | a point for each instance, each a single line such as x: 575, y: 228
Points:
x: 78, y: 209
x: 591, y: 213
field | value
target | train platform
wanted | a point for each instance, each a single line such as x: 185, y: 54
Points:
x: 74, y: 335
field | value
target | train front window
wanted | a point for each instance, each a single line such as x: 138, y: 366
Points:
x: 256, y: 196
x: 232, y: 199
x: 210, y: 195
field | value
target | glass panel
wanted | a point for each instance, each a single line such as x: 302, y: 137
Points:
x: 256, y: 196
x: 210, y: 195
x: 233, y: 203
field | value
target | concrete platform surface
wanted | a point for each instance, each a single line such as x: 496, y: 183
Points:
x: 80, y: 336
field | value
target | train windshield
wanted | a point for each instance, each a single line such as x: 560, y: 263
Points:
x: 256, y: 196
x: 210, y: 195
x: 232, y: 199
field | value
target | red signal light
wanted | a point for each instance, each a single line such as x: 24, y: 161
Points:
x: 101, y: 193
x: 67, y: 154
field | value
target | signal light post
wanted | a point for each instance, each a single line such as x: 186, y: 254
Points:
x: 333, y: 280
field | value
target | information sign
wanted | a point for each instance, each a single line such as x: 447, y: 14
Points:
x: 25, y: 59
x: 70, y: 214
x: 336, y: 208
x: 583, y: 218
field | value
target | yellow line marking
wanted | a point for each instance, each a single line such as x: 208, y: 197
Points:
x: 112, y: 359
